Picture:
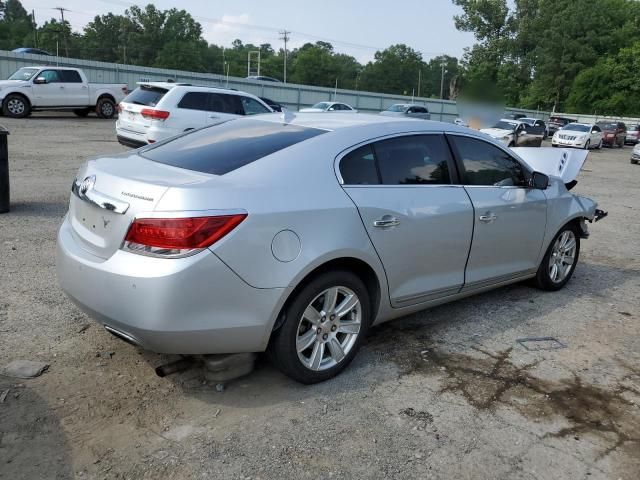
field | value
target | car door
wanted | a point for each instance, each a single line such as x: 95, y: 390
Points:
x: 76, y: 93
x: 222, y: 107
x: 48, y: 94
x: 510, y: 218
x: 595, y: 137
x: 418, y: 221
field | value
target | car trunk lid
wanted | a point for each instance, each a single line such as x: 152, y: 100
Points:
x: 110, y: 192
x: 144, y: 97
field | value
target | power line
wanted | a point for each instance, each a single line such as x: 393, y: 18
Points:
x: 64, y: 33
x: 285, y: 38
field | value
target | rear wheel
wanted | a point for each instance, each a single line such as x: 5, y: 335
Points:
x: 560, y: 260
x: 16, y: 106
x: 82, y: 112
x: 106, y: 108
x: 323, y: 329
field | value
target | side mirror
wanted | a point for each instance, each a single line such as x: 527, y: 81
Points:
x: 539, y: 181
x: 40, y: 81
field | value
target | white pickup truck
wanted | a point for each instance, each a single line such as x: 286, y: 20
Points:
x: 58, y: 88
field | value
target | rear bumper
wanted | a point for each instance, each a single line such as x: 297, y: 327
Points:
x: 192, y: 305
x: 129, y: 142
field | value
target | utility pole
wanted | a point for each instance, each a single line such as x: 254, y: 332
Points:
x: 35, y: 29
x: 419, y: 80
x: 285, y: 38
x: 66, y: 46
x: 443, y: 64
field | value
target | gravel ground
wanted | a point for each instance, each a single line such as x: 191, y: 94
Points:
x: 446, y: 393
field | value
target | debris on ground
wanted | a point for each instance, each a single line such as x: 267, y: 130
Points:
x: 3, y: 395
x: 24, y: 369
x: 533, y: 344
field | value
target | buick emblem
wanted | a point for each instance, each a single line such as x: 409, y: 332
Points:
x: 87, y: 184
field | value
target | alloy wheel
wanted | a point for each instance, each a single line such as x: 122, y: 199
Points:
x: 107, y: 109
x: 16, y: 106
x: 562, y: 256
x: 329, y: 328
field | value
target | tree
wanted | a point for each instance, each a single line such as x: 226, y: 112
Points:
x: 393, y: 70
x: 317, y: 64
x: 16, y: 26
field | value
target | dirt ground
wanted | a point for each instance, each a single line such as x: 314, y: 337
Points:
x: 446, y: 393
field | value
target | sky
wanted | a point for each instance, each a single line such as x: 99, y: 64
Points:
x: 354, y: 27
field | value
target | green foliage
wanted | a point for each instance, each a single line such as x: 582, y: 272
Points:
x: 16, y: 26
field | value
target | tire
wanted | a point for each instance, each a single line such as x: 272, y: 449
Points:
x: 599, y: 147
x: 106, y: 108
x: 16, y: 106
x: 309, y: 318
x: 587, y: 145
x: 546, y: 279
x: 83, y: 112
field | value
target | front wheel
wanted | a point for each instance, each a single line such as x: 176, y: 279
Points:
x: 560, y: 260
x: 323, y: 328
x: 106, y: 108
x: 599, y: 147
x: 16, y: 106
x: 587, y: 145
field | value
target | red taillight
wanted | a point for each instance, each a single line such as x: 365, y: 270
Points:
x: 153, y: 114
x: 178, y: 236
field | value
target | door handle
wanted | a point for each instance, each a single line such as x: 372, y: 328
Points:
x: 488, y: 217
x: 386, y: 221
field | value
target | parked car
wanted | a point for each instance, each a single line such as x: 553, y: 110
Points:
x: 263, y: 78
x: 537, y: 123
x: 635, y: 155
x: 216, y: 242
x: 407, y: 110
x: 556, y: 123
x: 461, y: 122
x: 275, y: 106
x: 615, y: 133
x: 30, y: 89
x: 633, y: 135
x: 34, y: 51
x: 581, y: 135
x: 158, y: 110
x: 514, y: 116
x: 329, y: 107
x: 514, y: 133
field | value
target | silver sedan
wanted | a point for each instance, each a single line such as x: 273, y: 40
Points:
x: 297, y: 233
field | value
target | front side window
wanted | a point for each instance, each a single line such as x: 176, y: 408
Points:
x: 252, y: 107
x: 486, y: 164
x: 51, y: 76
x: 359, y: 167
x: 194, y: 101
x: 596, y: 129
x: 222, y: 103
x: 413, y: 160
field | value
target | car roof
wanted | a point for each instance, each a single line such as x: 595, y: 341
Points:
x: 194, y: 88
x: 340, y: 121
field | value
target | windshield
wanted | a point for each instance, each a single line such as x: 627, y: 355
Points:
x: 577, y: 127
x: 322, y: 105
x: 502, y: 125
x: 608, y: 126
x: 24, y: 74
x: 398, y: 107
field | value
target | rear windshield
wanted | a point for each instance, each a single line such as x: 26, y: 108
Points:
x: 222, y: 148
x: 146, y: 95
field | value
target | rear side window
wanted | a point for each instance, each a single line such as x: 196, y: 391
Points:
x: 359, y: 167
x: 146, y: 95
x: 414, y: 160
x: 220, y: 102
x: 69, y: 76
x: 222, y: 148
x: 194, y: 101
x: 486, y: 164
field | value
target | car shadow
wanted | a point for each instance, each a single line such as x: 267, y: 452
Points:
x: 498, y: 311
x: 32, y: 440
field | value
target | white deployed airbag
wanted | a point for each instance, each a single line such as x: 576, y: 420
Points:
x: 557, y: 162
